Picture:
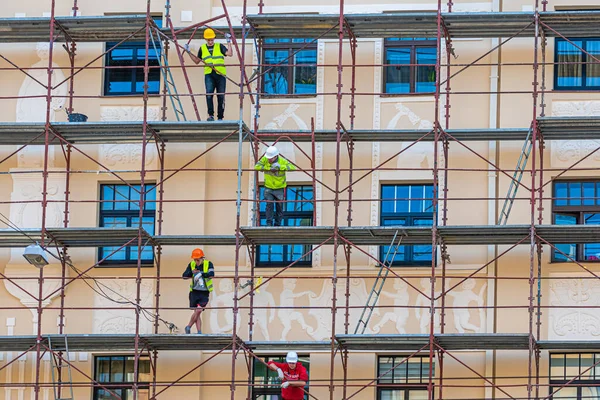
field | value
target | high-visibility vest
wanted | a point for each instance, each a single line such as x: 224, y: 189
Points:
x: 207, y: 281
x: 216, y: 59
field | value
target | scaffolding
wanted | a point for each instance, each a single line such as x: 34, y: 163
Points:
x: 444, y: 25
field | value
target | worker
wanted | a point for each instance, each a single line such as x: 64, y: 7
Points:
x: 213, y: 56
x: 200, y: 271
x: 293, y: 376
x: 275, y: 167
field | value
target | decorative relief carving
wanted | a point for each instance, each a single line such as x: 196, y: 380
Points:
x: 115, y: 321
x: 128, y: 155
x: 25, y: 276
x: 462, y: 299
x: 567, y: 152
x: 374, y: 218
x: 400, y: 314
x: 580, y: 322
x: 224, y: 299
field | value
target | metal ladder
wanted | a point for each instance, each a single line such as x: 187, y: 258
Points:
x: 516, y: 180
x: 168, y: 79
x: 367, y: 311
x: 58, y: 366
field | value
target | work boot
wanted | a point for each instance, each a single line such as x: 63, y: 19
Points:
x: 210, y: 118
x: 199, y: 332
x: 188, y: 330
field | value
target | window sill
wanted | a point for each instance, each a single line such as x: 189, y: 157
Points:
x: 274, y: 99
x: 574, y: 90
x: 418, y: 95
x: 132, y: 95
x: 124, y: 265
x: 279, y: 266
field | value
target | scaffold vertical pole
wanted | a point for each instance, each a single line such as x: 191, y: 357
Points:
x: 142, y: 203
x: 238, y: 201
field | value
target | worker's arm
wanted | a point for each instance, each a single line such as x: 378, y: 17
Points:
x: 285, y: 165
x: 302, y: 377
x: 211, y: 271
x: 297, y: 383
x: 260, y: 165
x: 187, y: 274
x: 274, y: 366
x: 227, y: 49
x: 194, y: 58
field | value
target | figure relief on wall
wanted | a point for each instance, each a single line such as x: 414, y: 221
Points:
x: 29, y: 215
x: 399, y: 314
x: 223, y: 299
x: 422, y: 308
x: 567, y: 152
x: 574, y: 309
x: 115, y: 321
x: 263, y: 316
x: 31, y: 105
x: 287, y: 314
x: 462, y: 298
x: 322, y: 315
x: 419, y: 153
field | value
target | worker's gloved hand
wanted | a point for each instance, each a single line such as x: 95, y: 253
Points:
x: 280, y: 373
x: 228, y: 37
x: 285, y: 384
x: 205, y: 275
x: 186, y: 47
x: 276, y: 166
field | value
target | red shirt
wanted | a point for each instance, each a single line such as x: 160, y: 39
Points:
x: 297, y: 374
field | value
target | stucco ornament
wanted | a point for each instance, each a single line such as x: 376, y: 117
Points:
x: 290, y: 112
x: 287, y: 314
x: 400, y: 314
x: 31, y: 105
x: 420, y: 152
x: 566, y: 320
x: 127, y: 155
x: 566, y: 152
x: 223, y: 299
x: 123, y: 291
x: 358, y: 298
x: 463, y: 298
x: 262, y: 315
x: 422, y: 312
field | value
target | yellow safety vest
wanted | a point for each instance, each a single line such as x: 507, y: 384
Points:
x: 207, y: 281
x: 216, y: 59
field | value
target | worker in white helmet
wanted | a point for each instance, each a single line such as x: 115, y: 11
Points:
x: 275, y: 168
x: 293, y: 376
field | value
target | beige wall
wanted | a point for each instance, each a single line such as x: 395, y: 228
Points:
x: 403, y: 308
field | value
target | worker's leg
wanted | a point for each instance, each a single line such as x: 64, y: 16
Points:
x: 279, y: 194
x: 269, y: 198
x: 199, y: 319
x: 221, y: 82
x: 210, y: 88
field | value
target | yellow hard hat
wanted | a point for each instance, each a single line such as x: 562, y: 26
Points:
x: 209, y: 34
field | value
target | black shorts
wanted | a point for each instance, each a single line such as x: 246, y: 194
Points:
x: 198, y: 298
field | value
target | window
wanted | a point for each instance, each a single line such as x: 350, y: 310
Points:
x: 395, y: 371
x: 575, y: 70
x: 118, y: 372
x: 576, y: 203
x: 298, y: 211
x: 577, y: 369
x: 264, y: 376
x: 283, y: 79
x: 407, y: 76
x: 119, y: 208
x: 122, y: 79
x: 407, y: 205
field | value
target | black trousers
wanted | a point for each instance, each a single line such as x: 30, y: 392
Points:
x: 215, y: 82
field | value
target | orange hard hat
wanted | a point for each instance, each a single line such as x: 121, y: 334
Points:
x: 197, y: 253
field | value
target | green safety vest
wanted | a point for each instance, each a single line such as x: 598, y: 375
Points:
x: 216, y: 59
x: 275, y: 179
x: 207, y: 281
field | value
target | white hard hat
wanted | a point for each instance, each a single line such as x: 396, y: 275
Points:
x: 272, y: 152
x: 291, y: 357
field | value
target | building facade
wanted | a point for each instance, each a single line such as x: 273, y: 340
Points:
x: 458, y: 150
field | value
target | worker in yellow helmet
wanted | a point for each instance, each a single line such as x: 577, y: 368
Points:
x: 213, y: 56
x: 201, y: 272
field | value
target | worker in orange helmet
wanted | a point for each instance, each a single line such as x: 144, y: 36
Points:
x: 212, y: 55
x: 200, y: 271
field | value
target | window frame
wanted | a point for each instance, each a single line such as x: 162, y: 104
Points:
x: 579, y: 383
x: 135, y: 46
x: 404, y: 387
x: 130, y: 261
x: 126, y: 385
x: 292, y: 48
x: 412, y: 45
x: 584, y: 64
x: 409, y: 216
x: 258, y: 391
x: 577, y: 211
x: 286, y: 216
